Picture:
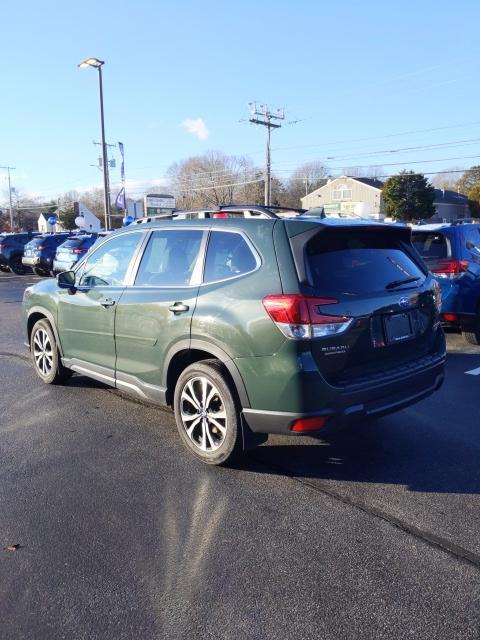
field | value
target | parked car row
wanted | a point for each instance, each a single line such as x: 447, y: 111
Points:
x: 44, y: 253
x: 451, y: 251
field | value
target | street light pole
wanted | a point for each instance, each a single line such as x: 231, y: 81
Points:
x: 97, y: 64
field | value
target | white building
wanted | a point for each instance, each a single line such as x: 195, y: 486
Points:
x: 45, y: 227
x: 89, y: 221
x: 346, y: 196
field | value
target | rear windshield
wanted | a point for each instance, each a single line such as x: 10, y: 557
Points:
x: 86, y: 241
x: 430, y: 245
x: 352, y: 262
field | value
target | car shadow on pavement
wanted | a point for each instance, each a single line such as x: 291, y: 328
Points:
x: 433, y: 446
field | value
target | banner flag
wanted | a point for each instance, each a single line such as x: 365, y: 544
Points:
x: 122, y: 168
x: 120, y: 199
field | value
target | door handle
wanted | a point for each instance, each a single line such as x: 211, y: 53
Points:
x: 107, y: 302
x: 178, y: 307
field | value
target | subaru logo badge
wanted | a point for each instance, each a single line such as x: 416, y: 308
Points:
x: 403, y: 302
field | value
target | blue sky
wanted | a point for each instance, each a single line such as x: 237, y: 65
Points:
x: 352, y: 73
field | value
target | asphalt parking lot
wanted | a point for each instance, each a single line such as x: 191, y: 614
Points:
x: 121, y: 534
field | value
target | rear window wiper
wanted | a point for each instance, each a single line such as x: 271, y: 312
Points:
x: 397, y: 283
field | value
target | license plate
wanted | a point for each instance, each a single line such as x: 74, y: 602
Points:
x: 398, y: 327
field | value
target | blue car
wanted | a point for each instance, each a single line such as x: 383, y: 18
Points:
x: 452, y: 253
x: 71, y: 251
x: 39, y: 252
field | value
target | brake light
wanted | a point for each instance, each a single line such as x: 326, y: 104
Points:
x: 299, y: 317
x: 78, y: 251
x: 450, y: 268
x: 221, y: 215
x: 309, y: 424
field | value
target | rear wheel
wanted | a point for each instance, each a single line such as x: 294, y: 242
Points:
x: 45, y: 356
x: 43, y: 273
x: 17, y: 267
x: 207, y: 414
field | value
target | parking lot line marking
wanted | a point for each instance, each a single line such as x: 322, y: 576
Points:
x: 474, y: 372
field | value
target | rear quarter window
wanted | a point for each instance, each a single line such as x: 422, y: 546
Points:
x: 228, y: 256
x: 353, y: 262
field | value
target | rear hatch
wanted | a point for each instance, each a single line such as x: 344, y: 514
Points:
x: 372, y: 284
x: 73, y: 248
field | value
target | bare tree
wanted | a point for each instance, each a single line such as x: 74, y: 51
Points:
x: 212, y: 179
x: 305, y: 179
x: 447, y: 180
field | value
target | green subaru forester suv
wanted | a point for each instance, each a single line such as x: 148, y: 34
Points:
x: 246, y: 326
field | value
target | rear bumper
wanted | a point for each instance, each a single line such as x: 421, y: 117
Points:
x: 58, y: 267
x: 366, y: 399
x: 30, y: 261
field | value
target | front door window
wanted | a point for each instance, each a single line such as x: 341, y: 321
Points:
x: 108, y: 266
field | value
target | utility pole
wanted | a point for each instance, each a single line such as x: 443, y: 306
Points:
x: 265, y: 117
x: 10, y: 194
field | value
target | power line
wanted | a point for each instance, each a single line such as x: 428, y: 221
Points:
x: 390, y: 135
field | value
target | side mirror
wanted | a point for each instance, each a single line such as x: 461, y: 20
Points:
x: 66, y: 280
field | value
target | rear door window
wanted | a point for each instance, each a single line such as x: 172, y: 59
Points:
x: 170, y: 258
x: 228, y: 256
x: 431, y: 245
x: 352, y: 262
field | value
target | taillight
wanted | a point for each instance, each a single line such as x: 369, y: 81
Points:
x: 2, y: 245
x: 78, y: 251
x: 450, y: 268
x: 299, y: 317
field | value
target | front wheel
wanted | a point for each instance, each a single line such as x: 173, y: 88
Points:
x: 207, y: 413
x: 45, y: 356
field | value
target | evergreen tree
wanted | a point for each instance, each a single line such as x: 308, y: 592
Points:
x: 408, y: 196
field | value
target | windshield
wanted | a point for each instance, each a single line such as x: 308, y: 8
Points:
x: 359, y: 261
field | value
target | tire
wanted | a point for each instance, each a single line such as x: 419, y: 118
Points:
x: 472, y: 338
x: 201, y: 392
x: 45, y: 356
x: 17, y: 267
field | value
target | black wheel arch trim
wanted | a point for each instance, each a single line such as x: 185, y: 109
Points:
x: 217, y: 352
x: 49, y: 316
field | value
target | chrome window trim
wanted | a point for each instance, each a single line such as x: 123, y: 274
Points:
x: 197, y: 269
x: 251, y: 246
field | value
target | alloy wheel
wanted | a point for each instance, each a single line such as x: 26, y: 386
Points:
x: 203, y: 414
x: 43, y: 352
